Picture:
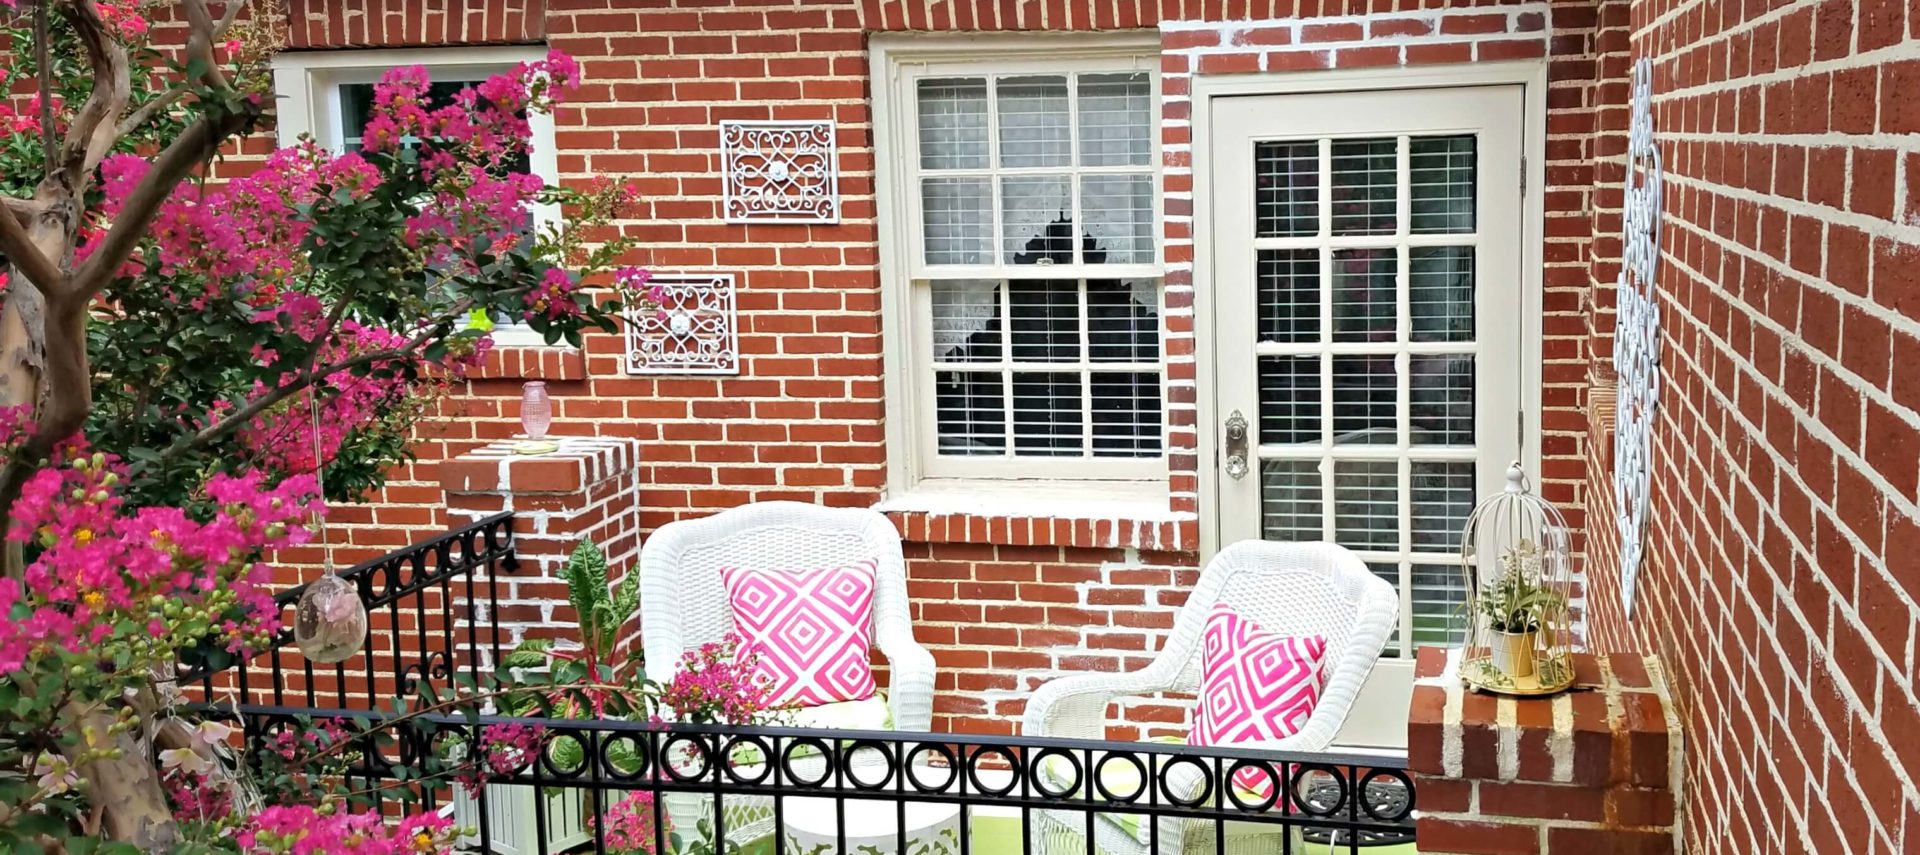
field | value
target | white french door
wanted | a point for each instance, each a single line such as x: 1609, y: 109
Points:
x: 1367, y: 337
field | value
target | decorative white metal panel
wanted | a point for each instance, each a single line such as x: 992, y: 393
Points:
x: 693, y: 331
x: 1636, y: 344
x: 780, y: 172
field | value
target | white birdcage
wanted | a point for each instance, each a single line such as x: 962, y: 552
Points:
x: 1515, y: 569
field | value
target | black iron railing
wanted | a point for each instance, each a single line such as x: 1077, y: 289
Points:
x: 784, y: 791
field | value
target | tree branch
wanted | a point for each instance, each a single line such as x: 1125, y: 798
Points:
x: 19, y: 249
x: 94, y: 130
x: 305, y: 378
x: 152, y: 108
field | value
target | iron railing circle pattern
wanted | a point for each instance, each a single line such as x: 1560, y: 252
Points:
x: 442, y: 600
x: 1099, y: 773
x: 1273, y: 777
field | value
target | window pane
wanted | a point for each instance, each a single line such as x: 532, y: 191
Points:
x: 971, y: 412
x: 1036, y: 215
x: 1364, y: 393
x: 1126, y: 414
x: 1438, y: 592
x: 1046, y: 320
x: 1287, y: 188
x: 1289, y: 295
x: 1116, y: 119
x: 1289, y: 399
x: 1046, y: 414
x: 1366, y: 504
x: 1442, y: 390
x: 1364, y: 186
x: 1363, y: 294
x: 1440, y: 293
x: 1443, y: 496
x: 966, y: 321
x: 1290, y: 500
x: 1118, y: 212
x: 959, y: 223
x: 1123, y: 320
x: 953, y: 124
x: 1441, y: 183
x: 1034, y: 125
x: 1390, y: 572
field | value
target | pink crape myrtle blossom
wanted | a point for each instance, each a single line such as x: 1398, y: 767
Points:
x: 719, y: 682
x: 101, y: 568
x: 630, y: 826
x: 331, y: 830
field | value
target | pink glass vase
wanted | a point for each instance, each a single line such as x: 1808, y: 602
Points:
x: 536, y: 411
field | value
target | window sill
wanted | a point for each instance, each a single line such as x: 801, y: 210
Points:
x: 1100, y: 514
x: 526, y: 358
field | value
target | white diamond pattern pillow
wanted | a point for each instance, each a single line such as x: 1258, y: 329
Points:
x: 810, y: 629
x: 1255, y: 686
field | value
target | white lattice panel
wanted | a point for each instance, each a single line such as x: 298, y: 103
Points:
x: 693, y: 331
x: 780, y: 172
x: 1636, y: 345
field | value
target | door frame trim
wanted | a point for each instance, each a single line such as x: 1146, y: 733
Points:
x: 1530, y: 75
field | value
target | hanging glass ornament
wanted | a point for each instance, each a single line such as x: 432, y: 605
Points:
x: 330, y: 621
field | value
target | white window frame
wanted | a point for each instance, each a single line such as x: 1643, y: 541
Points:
x: 906, y: 299
x: 308, y: 87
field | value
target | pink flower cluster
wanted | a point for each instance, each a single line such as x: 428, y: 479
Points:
x: 306, y: 830
x: 505, y: 748
x: 554, y: 298
x: 630, y: 826
x: 101, y: 567
x: 124, y: 17
x: 718, y: 683
x: 290, y: 744
x: 194, y: 798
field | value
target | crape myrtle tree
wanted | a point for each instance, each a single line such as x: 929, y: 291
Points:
x: 184, y: 361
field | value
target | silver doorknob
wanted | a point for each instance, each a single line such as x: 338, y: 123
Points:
x: 1236, y: 426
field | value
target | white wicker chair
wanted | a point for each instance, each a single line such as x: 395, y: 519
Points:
x: 684, y: 603
x: 1290, y: 588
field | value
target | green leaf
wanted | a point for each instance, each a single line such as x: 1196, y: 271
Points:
x: 531, y: 653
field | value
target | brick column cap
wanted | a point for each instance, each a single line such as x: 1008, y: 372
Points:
x: 580, y: 463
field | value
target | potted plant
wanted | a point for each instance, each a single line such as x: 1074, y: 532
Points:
x: 1517, y: 607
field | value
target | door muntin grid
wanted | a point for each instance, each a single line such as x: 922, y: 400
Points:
x: 1365, y: 264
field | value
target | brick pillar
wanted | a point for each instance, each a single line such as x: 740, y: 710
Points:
x: 589, y: 488
x: 1591, y: 770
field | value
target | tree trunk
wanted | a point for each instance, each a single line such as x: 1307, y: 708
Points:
x: 126, y: 790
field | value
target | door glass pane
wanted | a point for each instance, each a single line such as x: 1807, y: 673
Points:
x: 1364, y: 392
x: 1116, y: 119
x: 1437, y: 596
x: 1045, y: 320
x: 1389, y: 571
x: 1047, y: 420
x: 1363, y: 294
x: 1034, y: 126
x: 1289, y: 399
x: 1289, y: 295
x: 1287, y: 188
x: 1290, y: 500
x: 953, y: 124
x: 1036, y: 217
x: 1443, y: 496
x: 1441, y: 412
x: 971, y: 412
x: 966, y: 320
x: 1126, y: 414
x: 1118, y: 212
x: 958, y: 220
x: 1366, y: 504
x: 1441, y: 184
x: 1365, y: 187
x: 1440, y: 293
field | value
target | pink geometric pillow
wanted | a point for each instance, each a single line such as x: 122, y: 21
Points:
x: 1255, y: 686
x: 810, y: 629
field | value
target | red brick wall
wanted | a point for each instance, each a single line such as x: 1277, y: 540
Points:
x: 804, y: 420
x: 1780, y: 580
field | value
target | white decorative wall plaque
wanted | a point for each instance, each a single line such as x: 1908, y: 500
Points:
x: 1636, y: 343
x: 692, y: 331
x: 780, y: 172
